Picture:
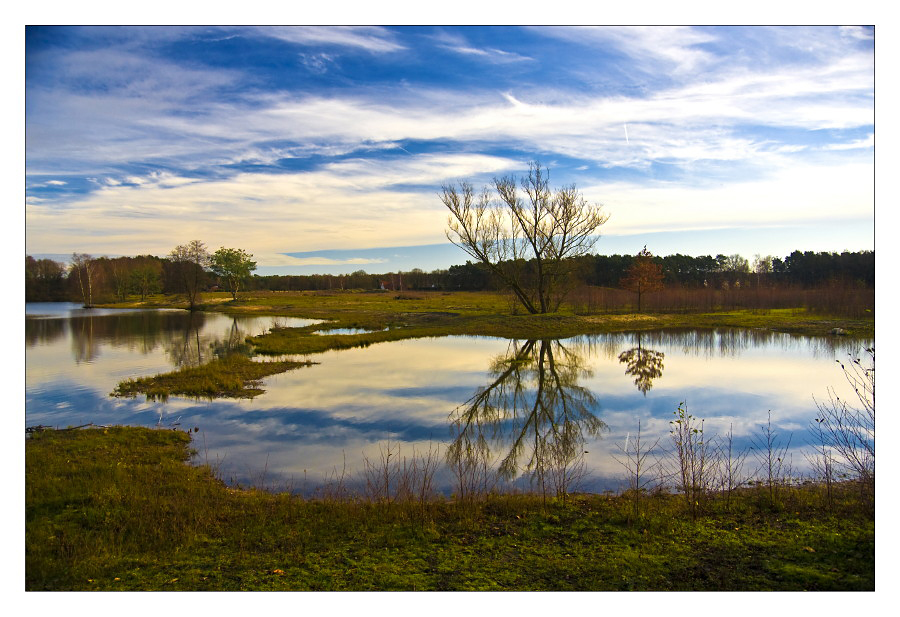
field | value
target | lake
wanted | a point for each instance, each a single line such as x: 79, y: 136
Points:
x: 522, y: 404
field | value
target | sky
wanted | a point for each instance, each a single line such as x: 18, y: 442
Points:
x: 323, y: 149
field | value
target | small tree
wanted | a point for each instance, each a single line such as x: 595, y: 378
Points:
x: 848, y: 429
x: 762, y: 267
x: 643, y: 275
x: 694, y: 458
x: 233, y: 266
x: 145, y: 276
x: 191, y: 261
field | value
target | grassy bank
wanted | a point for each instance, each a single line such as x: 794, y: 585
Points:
x: 118, y: 509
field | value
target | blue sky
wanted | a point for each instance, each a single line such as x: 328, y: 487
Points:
x: 323, y: 149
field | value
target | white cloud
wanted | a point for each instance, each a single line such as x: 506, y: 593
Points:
x: 374, y: 39
x: 653, y: 48
x: 345, y: 205
x: 794, y: 195
x: 458, y: 44
x: 142, y: 120
x: 32, y: 185
x: 868, y: 142
x: 280, y: 259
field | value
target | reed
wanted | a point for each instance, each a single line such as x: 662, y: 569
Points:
x: 838, y: 300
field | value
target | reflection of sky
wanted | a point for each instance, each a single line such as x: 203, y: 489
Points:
x: 314, y: 420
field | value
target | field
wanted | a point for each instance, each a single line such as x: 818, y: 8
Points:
x: 119, y: 509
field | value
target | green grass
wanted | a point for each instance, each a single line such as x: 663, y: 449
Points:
x: 118, y: 509
x: 233, y: 376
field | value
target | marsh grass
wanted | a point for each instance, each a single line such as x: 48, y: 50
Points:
x: 119, y: 509
x: 839, y: 300
x: 232, y: 376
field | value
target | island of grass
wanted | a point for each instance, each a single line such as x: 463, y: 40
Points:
x: 233, y: 376
x: 118, y: 509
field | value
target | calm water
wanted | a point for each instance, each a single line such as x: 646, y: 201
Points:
x: 520, y: 401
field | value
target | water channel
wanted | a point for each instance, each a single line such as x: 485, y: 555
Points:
x: 518, y: 402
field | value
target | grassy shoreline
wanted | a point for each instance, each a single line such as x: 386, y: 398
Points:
x: 119, y: 509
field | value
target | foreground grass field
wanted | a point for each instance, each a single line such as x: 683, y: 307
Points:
x: 119, y: 509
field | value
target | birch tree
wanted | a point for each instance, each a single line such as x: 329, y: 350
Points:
x: 84, y: 268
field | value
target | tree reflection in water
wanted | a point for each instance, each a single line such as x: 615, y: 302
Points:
x: 195, y: 347
x: 532, y: 417
x: 644, y: 365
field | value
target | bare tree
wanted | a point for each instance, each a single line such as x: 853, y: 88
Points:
x: 83, y: 266
x: 772, y: 455
x: 637, y: 468
x: 191, y: 259
x: 527, y: 242
x: 847, y: 429
x: 731, y: 466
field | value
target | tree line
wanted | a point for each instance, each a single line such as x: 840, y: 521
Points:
x: 188, y: 269
x: 116, y: 278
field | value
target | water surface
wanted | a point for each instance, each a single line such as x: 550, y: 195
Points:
x: 521, y: 402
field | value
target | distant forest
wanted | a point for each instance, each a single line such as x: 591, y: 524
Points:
x: 117, y: 278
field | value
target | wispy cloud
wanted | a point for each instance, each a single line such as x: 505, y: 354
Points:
x: 343, y: 205
x: 857, y: 144
x: 458, y: 44
x: 650, y: 48
x: 281, y: 260
x: 318, y: 63
x: 369, y: 38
